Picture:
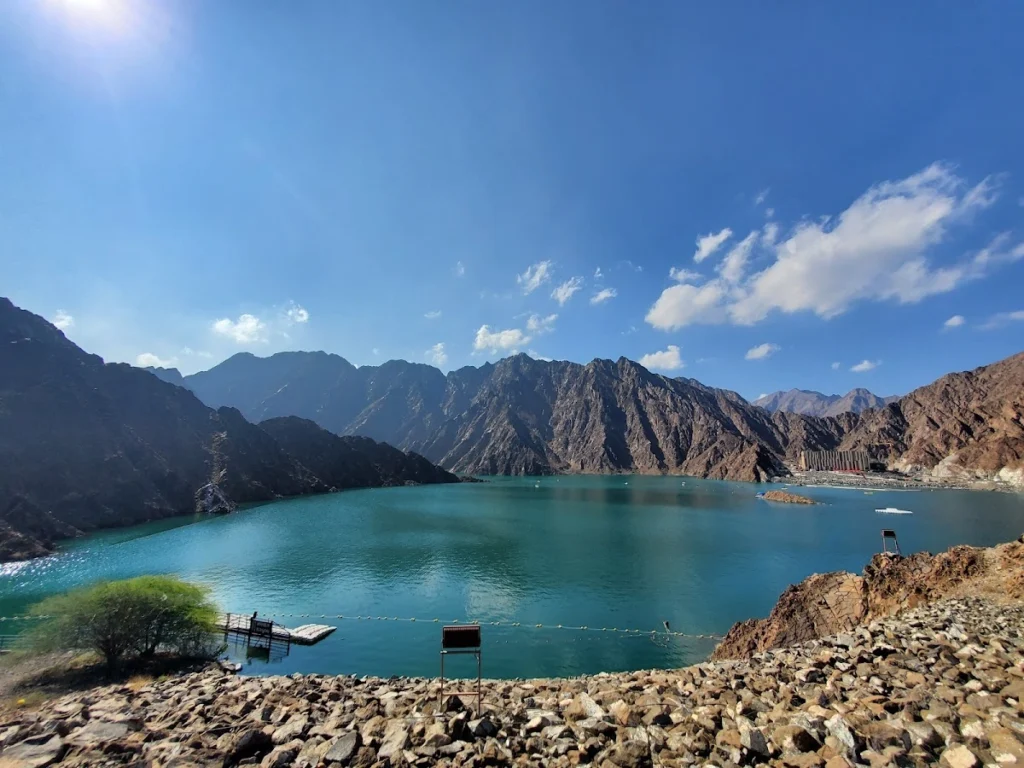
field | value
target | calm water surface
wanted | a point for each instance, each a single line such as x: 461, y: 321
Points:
x: 594, y: 551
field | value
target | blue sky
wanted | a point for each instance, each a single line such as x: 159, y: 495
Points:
x: 757, y: 195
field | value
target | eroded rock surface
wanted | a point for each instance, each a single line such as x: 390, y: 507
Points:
x: 830, y: 603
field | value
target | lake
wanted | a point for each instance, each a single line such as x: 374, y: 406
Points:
x: 623, y: 552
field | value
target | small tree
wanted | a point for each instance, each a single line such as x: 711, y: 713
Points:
x: 135, y: 617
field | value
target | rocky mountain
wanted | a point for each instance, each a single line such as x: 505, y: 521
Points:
x: 524, y: 416
x: 965, y: 425
x: 170, y: 375
x: 811, y: 403
x: 351, y: 462
x: 519, y: 416
x: 86, y: 444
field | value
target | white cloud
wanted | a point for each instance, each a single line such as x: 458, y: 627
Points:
x: 247, y: 329
x: 866, y: 365
x: 598, y: 274
x: 875, y: 250
x: 762, y: 351
x: 769, y: 213
x: 735, y: 262
x: 436, y: 354
x: 564, y: 292
x: 835, y: 366
x: 762, y: 396
x: 954, y: 322
x: 762, y: 196
x: 495, y: 341
x: 296, y: 314
x: 460, y: 269
x: 534, y: 276
x: 682, y: 275
x: 537, y: 324
x: 603, y: 295
x: 666, y: 360
x: 149, y: 360
x: 709, y: 243
x: 63, y: 320
x: 433, y: 314
x: 1003, y: 318
x: 375, y: 351
x: 537, y: 356
x: 685, y: 304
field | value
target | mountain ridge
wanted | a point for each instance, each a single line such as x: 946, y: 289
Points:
x: 809, y: 402
x: 87, y: 444
x: 526, y: 416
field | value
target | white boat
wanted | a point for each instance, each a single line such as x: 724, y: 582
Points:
x: 893, y: 511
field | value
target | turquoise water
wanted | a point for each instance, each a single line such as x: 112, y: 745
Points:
x: 618, y: 551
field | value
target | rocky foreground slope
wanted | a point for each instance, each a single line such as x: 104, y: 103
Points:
x: 942, y: 683
x: 825, y: 604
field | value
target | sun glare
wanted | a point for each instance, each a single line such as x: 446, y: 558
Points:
x: 113, y: 15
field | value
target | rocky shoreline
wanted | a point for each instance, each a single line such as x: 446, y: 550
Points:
x: 784, y: 497
x: 943, y: 682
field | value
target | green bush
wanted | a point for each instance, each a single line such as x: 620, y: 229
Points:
x: 131, y: 618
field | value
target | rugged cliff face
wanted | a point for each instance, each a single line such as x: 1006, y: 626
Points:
x: 965, y: 425
x: 830, y: 603
x: 351, y: 462
x: 524, y: 416
x: 85, y: 445
x: 520, y: 416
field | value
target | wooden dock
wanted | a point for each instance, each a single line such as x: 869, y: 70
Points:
x: 241, y: 624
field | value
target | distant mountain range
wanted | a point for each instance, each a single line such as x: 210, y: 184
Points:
x: 810, y: 403
x: 524, y: 416
x: 85, y: 445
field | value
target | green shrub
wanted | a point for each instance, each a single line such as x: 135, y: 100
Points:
x: 131, y: 618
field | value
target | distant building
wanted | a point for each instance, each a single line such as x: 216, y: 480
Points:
x: 856, y: 461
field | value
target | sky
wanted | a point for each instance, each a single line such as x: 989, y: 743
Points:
x: 756, y: 195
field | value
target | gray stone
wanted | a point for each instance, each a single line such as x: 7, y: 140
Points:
x: 36, y: 752
x: 482, y: 727
x: 753, y: 740
x: 396, y: 740
x: 97, y: 732
x: 924, y: 735
x: 249, y: 743
x: 344, y: 748
x: 295, y: 728
x: 435, y: 736
x: 536, y: 724
x: 840, y: 729
x: 282, y: 756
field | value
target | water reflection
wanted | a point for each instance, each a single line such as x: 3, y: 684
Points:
x: 578, y: 551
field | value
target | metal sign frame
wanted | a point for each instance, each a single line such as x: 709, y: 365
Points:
x: 463, y: 639
x: 888, y: 533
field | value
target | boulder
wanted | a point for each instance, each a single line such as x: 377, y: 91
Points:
x: 36, y: 752
x: 344, y: 748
